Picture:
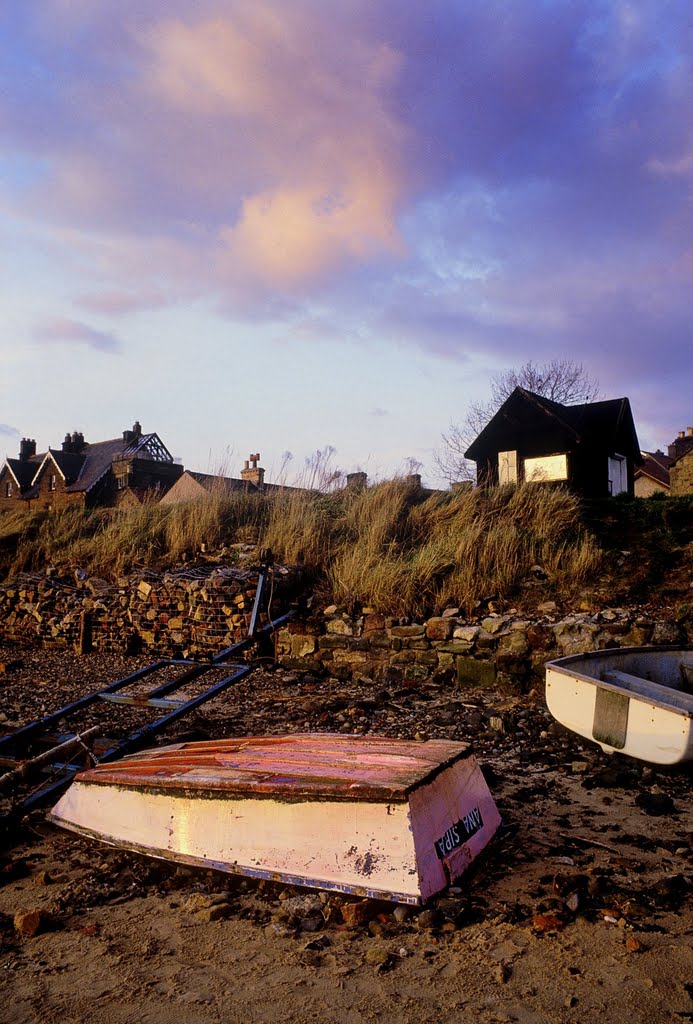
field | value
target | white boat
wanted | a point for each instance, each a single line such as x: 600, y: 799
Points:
x: 635, y: 700
x: 392, y: 819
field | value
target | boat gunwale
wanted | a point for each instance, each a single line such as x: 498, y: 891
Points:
x: 560, y: 665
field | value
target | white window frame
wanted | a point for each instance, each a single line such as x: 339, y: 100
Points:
x: 622, y: 462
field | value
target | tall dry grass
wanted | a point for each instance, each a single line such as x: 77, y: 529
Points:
x: 389, y: 546
x: 412, y: 557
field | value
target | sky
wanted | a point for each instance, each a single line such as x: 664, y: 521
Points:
x: 273, y: 227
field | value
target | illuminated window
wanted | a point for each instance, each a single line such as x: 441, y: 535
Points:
x: 547, y: 467
x: 507, y: 467
x: 51, y: 482
x: 8, y: 489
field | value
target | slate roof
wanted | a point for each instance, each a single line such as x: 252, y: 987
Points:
x: 655, y: 465
x: 82, y: 470
x: 24, y: 470
x: 96, y: 460
x: 605, y: 422
x: 209, y: 481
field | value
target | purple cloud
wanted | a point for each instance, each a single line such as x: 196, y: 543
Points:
x: 482, y: 181
x: 60, y: 330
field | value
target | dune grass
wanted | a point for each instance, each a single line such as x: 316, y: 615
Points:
x: 391, y: 546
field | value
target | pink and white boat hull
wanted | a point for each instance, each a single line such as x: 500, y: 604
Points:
x: 389, y: 819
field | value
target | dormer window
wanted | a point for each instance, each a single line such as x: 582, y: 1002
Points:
x: 51, y: 482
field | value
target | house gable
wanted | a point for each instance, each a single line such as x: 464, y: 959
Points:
x: 593, y: 447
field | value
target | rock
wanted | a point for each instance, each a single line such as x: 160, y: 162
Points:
x: 428, y: 919
x: 340, y: 627
x: 544, y: 923
x: 655, y: 804
x: 438, y: 629
x: 215, y: 913
x: 196, y: 902
x: 665, y: 633
x: 547, y: 607
x: 407, y: 632
x: 313, y: 922
x: 633, y: 944
x: 29, y: 922
x: 377, y: 955
x: 494, y: 623
x: 466, y: 633
x: 355, y: 914
x: 42, y: 878
x: 401, y: 913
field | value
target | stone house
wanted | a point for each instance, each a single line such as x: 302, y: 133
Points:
x: 123, y: 470
x: 652, y: 476
x: 593, y: 447
x: 192, y: 485
x: 681, y: 455
x: 16, y: 475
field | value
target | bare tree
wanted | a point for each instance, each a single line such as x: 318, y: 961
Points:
x: 560, y: 380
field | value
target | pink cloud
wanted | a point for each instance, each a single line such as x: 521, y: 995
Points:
x: 62, y: 329
x: 329, y: 178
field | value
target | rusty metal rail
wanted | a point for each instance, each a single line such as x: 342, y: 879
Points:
x: 61, y: 774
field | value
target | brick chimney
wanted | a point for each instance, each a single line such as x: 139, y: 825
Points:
x: 252, y: 473
x: 357, y: 481
x: 73, y: 442
x: 27, y: 448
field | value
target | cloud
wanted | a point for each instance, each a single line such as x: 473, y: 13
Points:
x: 63, y: 330
x: 484, y: 181
x: 7, y: 431
x: 113, y: 302
x: 378, y: 412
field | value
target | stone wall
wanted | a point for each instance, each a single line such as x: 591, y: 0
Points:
x: 682, y: 474
x: 504, y: 651
x: 189, y: 613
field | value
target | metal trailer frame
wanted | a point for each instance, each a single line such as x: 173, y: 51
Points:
x: 156, y: 698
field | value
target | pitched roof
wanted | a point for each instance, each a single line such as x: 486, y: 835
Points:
x: 606, y: 421
x: 96, y: 460
x: 23, y: 470
x: 210, y: 481
x: 82, y: 470
x: 655, y: 465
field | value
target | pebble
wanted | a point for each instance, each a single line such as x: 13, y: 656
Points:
x: 377, y: 955
x: 428, y: 919
x: 29, y: 922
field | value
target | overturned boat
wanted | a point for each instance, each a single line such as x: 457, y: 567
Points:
x: 391, y: 819
x: 635, y: 700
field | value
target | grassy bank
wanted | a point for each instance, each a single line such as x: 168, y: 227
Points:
x: 389, y: 546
